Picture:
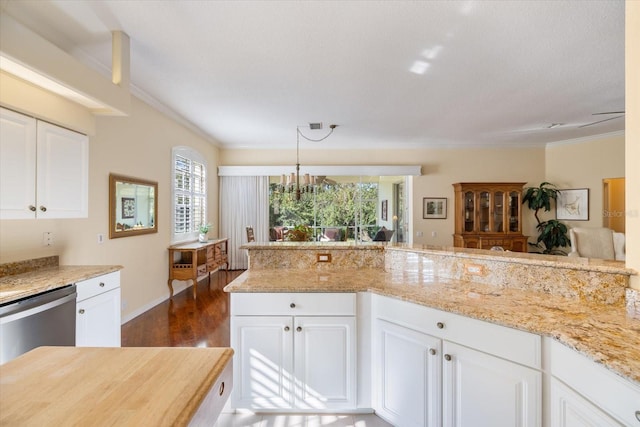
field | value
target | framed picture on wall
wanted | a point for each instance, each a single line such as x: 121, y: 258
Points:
x: 434, y: 208
x: 383, y: 210
x: 573, y: 205
x: 128, y: 207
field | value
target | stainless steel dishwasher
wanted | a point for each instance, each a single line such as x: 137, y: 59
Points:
x: 48, y: 318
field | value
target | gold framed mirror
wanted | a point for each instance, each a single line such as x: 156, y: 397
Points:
x: 133, y: 206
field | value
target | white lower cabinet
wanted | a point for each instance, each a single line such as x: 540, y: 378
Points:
x: 570, y: 409
x: 423, y: 379
x: 584, y: 393
x: 303, y: 362
x: 480, y: 389
x: 98, y: 311
x: 409, y: 376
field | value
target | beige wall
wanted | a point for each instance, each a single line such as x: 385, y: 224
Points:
x: 440, y: 168
x: 585, y: 165
x: 138, y: 146
x: 632, y: 146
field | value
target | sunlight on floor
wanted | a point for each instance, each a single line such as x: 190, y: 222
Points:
x: 297, y: 420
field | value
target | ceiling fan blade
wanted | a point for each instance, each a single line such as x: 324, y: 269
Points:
x: 608, y: 112
x: 599, y: 121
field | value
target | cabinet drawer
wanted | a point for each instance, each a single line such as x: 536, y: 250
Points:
x: 293, y: 304
x: 202, y: 269
x: 97, y: 285
x: 511, y: 344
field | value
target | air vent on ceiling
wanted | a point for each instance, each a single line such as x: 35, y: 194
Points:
x: 315, y: 126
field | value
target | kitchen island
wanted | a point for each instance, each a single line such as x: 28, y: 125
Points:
x: 539, y: 314
x: 58, y: 386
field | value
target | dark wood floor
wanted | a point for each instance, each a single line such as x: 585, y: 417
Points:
x: 183, y: 321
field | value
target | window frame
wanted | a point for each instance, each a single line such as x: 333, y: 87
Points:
x: 192, y: 156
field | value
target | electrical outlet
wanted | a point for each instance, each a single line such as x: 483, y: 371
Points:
x: 434, y: 234
x: 324, y: 257
x: 47, y: 238
x: 419, y: 233
x: 474, y: 269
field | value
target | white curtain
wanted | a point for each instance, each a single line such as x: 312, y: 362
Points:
x: 244, y: 202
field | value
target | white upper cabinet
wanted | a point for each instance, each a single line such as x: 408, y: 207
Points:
x: 17, y: 165
x: 44, y: 169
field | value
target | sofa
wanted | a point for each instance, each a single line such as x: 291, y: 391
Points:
x: 597, y: 242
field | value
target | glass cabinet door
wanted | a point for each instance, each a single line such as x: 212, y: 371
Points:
x: 514, y: 209
x: 469, y: 211
x: 483, y: 211
x: 498, y: 211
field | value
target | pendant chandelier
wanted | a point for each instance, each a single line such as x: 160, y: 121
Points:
x: 292, y: 183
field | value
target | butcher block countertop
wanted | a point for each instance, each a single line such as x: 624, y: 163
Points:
x: 71, y: 386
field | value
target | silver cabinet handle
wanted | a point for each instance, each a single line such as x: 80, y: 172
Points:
x: 81, y: 311
x: 102, y: 284
x: 447, y: 357
x: 440, y: 325
x: 292, y: 305
x: 43, y: 209
x: 299, y: 329
x: 286, y: 329
x: 32, y: 208
x: 221, y: 389
x: 432, y: 351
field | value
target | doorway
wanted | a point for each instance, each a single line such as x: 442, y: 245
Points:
x: 613, y: 205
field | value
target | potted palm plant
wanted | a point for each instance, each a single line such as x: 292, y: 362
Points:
x: 553, y: 233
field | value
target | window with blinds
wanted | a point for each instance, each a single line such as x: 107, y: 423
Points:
x: 189, y: 193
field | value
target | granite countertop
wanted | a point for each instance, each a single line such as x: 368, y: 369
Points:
x: 61, y: 386
x: 607, y: 334
x: 304, y: 246
x: 17, y: 286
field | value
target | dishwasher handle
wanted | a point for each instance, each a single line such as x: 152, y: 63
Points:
x: 38, y: 308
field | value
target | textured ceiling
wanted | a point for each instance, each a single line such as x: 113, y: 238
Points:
x: 390, y: 73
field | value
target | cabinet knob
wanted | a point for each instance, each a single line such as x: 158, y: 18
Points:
x: 81, y: 311
x: 440, y: 325
x: 221, y: 389
x: 32, y: 208
x: 286, y: 328
x: 447, y: 357
x: 102, y: 284
x: 43, y: 209
x: 299, y: 328
x: 432, y: 351
x: 292, y: 305
x: 638, y: 415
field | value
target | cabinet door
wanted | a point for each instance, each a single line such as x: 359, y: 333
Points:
x: 569, y: 409
x: 17, y: 165
x: 324, y: 360
x: 483, y: 390
x: 263, y: 362
x: 98, y: 320
x: 63, y: 172
x: 408, y: 369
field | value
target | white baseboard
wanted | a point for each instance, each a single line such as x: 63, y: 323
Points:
x: 181, y: 286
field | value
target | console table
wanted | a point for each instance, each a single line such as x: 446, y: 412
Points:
x: 188, y: 261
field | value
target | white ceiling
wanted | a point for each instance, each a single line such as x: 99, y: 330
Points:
x: 246, y: 73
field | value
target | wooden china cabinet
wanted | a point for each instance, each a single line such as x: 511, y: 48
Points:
x: 489, y: 214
